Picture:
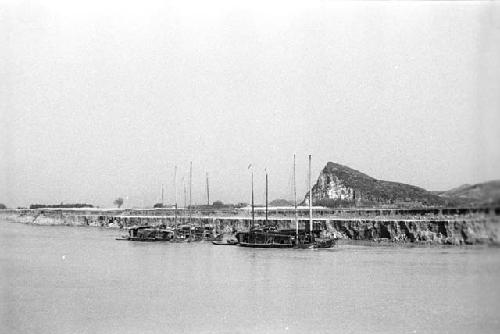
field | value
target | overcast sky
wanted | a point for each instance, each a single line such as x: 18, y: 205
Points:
x: 100, y: 99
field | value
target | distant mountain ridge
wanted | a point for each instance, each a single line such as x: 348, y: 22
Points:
x: 281, y: 202
x: 339, y: 185
x: 485, y: 193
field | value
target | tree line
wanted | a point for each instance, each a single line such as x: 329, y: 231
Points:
x: 52, y: 206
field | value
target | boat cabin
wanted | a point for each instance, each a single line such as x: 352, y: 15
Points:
x: 148, y: 233
x: 264, y: 238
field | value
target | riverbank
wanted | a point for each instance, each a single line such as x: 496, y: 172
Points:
x: 468, y: 228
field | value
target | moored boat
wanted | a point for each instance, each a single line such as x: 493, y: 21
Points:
x: 264, y: 238
x: 228, y: 242
x: 270, y: 237
x: 148, y: 233
x: 315, y: 243
x: 219, y: 240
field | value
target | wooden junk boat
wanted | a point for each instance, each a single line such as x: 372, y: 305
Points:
x: 272, y: 238
x: 269, y: 237
x: 220, y: 241
x: 309, y: 240
x: 148, y: 233
x: 264, y: 238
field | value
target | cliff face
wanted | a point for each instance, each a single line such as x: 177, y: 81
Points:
x: 338, y: 183
x: 446, y: 232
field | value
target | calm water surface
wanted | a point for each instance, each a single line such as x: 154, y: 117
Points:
x: 80, y: 280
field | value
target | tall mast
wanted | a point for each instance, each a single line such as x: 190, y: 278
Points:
x: 175, y: 195
x: 208, y: 192
x: 185, y: 196
x: 310, y: 198
x: 253, y: 210
x: 190, y: 188
x: 266, y: 197
x: 162, y: 195
x: 295, y: 203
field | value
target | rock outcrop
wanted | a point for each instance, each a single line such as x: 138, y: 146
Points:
x: 343, y: 185
x: 448, y: 232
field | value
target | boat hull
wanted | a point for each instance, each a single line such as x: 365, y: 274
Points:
x: 260, y: 245
x: 317, y: 244
x: 329, y: 243
x: 142, y: 239
x: 224, y: 243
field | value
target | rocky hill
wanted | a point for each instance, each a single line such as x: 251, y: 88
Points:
x: 340, y: 185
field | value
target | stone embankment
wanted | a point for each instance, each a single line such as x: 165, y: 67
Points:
x: 453, y: 226
x: 485, y: 230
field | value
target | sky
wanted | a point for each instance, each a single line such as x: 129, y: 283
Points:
x: 102, y: 99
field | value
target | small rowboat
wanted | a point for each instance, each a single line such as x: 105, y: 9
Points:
x: 225, y: 243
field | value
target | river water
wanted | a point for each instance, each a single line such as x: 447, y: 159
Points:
x: 57, y: 279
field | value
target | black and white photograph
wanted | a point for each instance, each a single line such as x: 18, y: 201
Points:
x: 237, y: 166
